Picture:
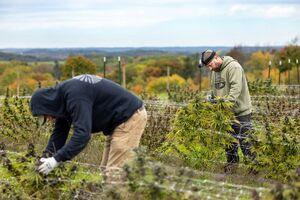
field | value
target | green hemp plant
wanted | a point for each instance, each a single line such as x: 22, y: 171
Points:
x: 19, y: 178
x: 200, y: 133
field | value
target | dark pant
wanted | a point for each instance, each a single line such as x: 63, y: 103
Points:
x: 241, y: 133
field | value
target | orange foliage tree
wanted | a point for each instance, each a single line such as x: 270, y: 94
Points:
x: 258, y: 62
x: 159, y: 85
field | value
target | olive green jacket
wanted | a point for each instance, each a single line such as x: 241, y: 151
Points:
x: 230, y: 81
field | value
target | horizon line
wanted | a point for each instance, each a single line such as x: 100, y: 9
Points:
x: 133, y: 47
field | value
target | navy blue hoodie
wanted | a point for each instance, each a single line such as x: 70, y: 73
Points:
x: 91, y: 103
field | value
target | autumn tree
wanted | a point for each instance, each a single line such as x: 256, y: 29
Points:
x: 76, y: 65
x: 291, y: 52
x: 258, y: 62
x: 284, y: 55
x: 238, y: 54
x: 190, y: 66
x: 160, y: 85
x: 153, y: 71
x: 57, y: 70
x: 19, y: 76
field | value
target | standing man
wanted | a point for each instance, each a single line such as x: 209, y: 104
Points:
x: 228, y: 80
x: 91, y: 104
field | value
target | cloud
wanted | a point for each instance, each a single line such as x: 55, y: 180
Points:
x: 147, y: 21
x: 132, y: 16
x: 89, y: 14
x: 82, y: 19
x: 280, y: 12
x: 116, y: 17
x: 265, y: 11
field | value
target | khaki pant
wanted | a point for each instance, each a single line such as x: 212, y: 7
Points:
x: 119, y: 145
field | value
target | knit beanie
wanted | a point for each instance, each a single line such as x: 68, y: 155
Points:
x: 207, y: 56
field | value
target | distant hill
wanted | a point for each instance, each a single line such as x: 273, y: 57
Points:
x: 14, y: 56
x: 45, y: 54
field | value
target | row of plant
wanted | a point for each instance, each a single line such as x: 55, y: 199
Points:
x: 256, y: 88
x: 259, y: 86
x: 200, y: 133
x: 142, y: 179
x: 19, y: 178
x: 194, y: 137
x: 275, y: 108
x: 203, y: 120
x: 18, y: 122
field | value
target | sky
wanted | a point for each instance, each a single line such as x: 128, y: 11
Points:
x: 147, y: 23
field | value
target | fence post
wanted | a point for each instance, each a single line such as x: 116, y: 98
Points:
x: 289, y: 73
x: 279, y: 72
x: 269, y: 73
x: 104, y: 67
x: 297, y: 71
x: 124, y: 75
x: 24, y: 92
x: 7, y: 93
x: 168, y: 79
x: 120, y: 75
x: 200, y: 75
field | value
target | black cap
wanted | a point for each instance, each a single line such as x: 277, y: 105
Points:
x: 206, y: 57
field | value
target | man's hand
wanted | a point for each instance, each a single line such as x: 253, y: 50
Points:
x: 48, y: 165
x: 210, y: 98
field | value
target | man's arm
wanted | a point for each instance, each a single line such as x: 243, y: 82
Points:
x: 58, y: 137
x: 81, y: 114
x: 235, y: 75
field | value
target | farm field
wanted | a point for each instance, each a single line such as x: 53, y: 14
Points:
x: 220, y: 83
x: 189, y: 64
x: 181, y: 156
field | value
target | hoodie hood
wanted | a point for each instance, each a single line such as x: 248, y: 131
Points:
x: 226, y: 61
x: 47, y: 101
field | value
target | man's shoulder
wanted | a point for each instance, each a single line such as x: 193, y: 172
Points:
x: 229, y: 62
x: 233, y: 64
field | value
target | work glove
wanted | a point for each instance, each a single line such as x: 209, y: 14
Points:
x: 210, y: 98
x: 48, y: 164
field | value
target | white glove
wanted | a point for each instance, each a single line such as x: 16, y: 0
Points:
x: 48, y: 165
x: 210, y: 98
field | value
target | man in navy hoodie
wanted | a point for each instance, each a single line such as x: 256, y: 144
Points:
x: 90, y: 104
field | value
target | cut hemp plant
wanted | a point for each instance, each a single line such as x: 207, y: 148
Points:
x: 200, y: 133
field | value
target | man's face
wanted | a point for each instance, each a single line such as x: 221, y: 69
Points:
x: 214, y: 64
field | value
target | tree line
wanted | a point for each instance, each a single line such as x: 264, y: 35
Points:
x: 149, y: 73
